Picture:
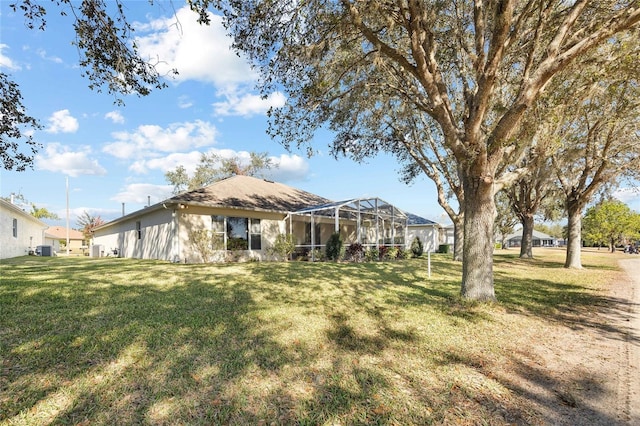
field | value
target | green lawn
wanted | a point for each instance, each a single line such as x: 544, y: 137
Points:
x: 119, y: 341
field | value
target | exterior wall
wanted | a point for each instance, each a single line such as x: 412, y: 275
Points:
x: 429, y: 236
x: 30, y: 231
x: 75, y: 246
x: 166, y: 234
x: 53, y: 242
x: 271, y: 224
x: 152, y: 241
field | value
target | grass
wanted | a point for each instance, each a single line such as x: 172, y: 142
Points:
x: 121, y: 341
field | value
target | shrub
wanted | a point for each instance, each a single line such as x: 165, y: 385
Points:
x: 382, y: 252
x: 334, y: 247
x: 202, y: 243
x: 403, y: 253
x: 317, y: 254
x: 283, y: 246
x: 355, y: 252
x: 416, y: 247
x: 392, y: 253
x: 371, y: 254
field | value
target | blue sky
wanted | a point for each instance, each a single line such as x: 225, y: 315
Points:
x: 113, y: 155
x: 117, y: 154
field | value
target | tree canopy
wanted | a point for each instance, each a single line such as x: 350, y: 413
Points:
x: 16, y: 126
x: 384, y: 76
x: 213, y: 167
x: 108, y: 58
x: 611, y: 222
x: 88, y: 223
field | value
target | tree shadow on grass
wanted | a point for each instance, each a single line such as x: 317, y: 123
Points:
x: 123, y: 350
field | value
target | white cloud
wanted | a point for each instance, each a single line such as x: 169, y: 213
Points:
x: 188, y: 160
x: 630, y: 196
x: 58, y: 158
x: 248, y: 105
x: 198, y: 52
x: 184, y: 102
x: 150, y: 140
x: 43, y: 54
x: 7, y: 62
x: 62, y: 121
x: 289, y: 168
x: 114, y: 116
x: 138, y: 193
x: 286, y: 168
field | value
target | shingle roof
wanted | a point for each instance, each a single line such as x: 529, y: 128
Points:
x: 61, y: 232
x: 250, y: 193
x: 413, y: 219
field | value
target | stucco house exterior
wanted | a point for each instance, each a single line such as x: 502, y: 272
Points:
x: 21, y: 232
x: 539, y: 239
x: 57, y: 234
x: 427, y: 230
x: 244, y: 215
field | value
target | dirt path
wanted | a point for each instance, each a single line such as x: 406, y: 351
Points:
x: 630, y: 377
x: 586, y: 371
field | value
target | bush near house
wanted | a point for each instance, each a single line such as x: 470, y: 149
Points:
x: 416, y: 247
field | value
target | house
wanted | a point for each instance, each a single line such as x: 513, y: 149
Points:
x: 539, y: 239
x: 427, y: 230
x: 56, y: 237
x: 243, y: 216
x: 21, y: 233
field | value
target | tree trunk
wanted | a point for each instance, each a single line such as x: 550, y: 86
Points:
x: 458, y: 238
x: 477, y: 260
x: 574, y: 243
x: 526, y: 250
x: 613, y: 245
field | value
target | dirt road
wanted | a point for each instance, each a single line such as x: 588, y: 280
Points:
x: 586, y: 371
x: 630, y: 377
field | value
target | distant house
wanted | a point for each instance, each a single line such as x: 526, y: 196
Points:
x: 539, y: 239
x: 244, y: 215
x: 56, y: 237
x: 20, y: 232
x: 427, y: 230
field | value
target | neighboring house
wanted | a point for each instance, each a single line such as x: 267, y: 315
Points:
x: 539, y: 239
x: 427, y: 230
x: 447, y: 235
x: 244, y: 216
x: 56, y: 237
x: 21, y: 233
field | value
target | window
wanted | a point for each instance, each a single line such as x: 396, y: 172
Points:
x: 217, y: 232
x: 15, y: 228
x: 316, y: 231
x: 139, y: 230
x: 255, y: 234
x: 239, y: 233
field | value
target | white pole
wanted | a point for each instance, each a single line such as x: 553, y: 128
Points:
x: 67, y: 216
x: 429, y: 264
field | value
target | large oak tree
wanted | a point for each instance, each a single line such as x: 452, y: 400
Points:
x: 366, y: 68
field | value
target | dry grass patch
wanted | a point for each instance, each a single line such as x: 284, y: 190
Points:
x: 115, y: 341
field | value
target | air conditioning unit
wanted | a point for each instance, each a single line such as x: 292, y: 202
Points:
x: 44, y: 250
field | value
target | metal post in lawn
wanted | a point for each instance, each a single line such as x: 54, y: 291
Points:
x: 429, y: 264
